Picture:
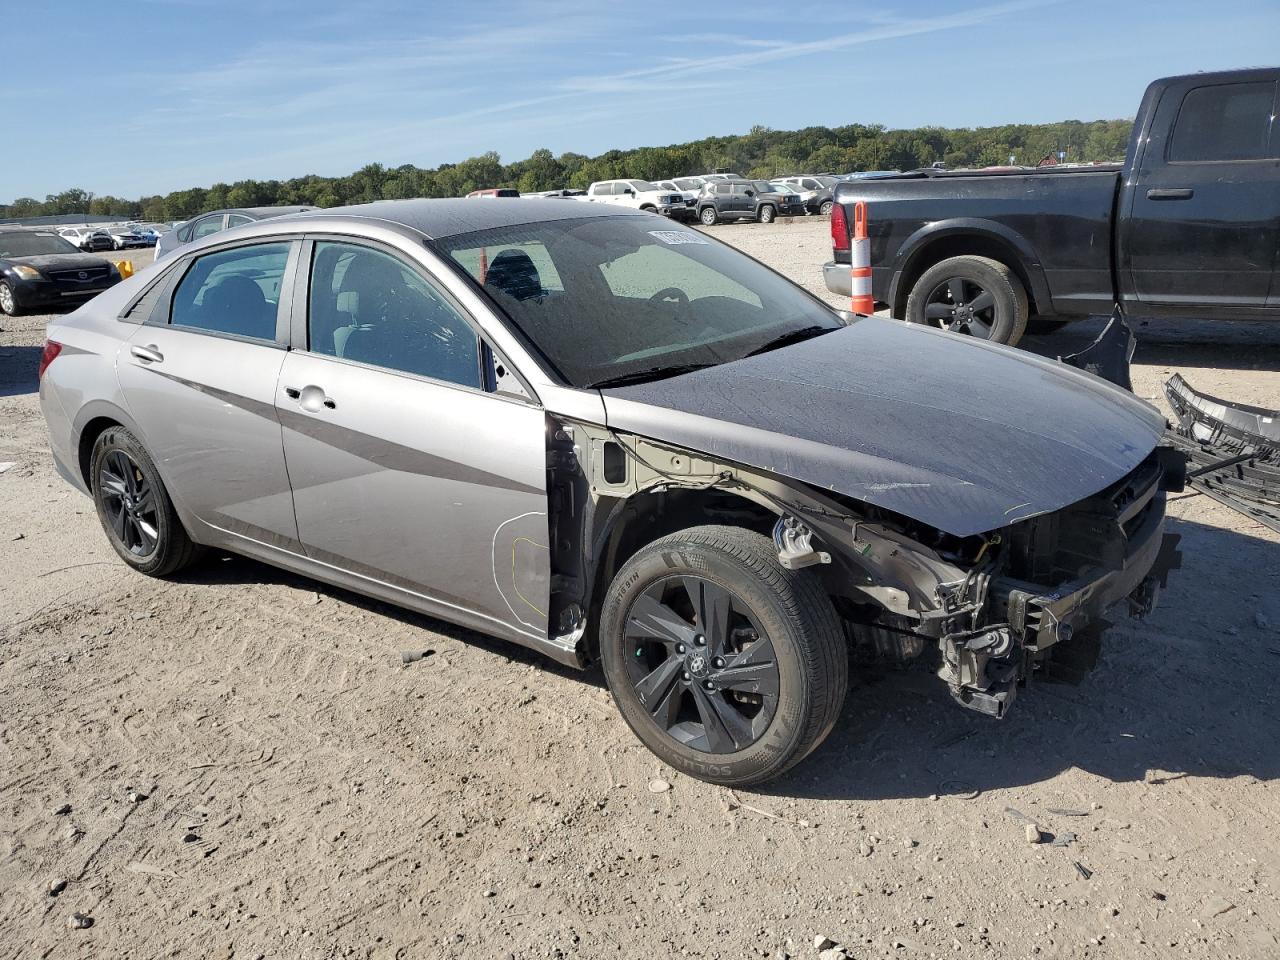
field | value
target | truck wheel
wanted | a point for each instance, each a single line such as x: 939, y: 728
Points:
x: 825, y: 209
x: 768, y: 213
x: 972, y: 296
x: 725, y: 664
x: 709, y: 216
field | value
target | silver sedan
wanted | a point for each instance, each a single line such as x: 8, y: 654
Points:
x: 612, y: 438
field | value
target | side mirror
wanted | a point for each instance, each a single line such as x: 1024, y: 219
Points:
x: 751, y: 193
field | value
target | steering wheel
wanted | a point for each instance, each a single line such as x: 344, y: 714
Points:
x: 667, y: 294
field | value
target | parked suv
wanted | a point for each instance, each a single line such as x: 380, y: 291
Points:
x: 641, y: 195
x: 742, y: 200
x: 817, y: 190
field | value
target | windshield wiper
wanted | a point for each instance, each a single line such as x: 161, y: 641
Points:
x: 645, y: 376
x: 790, y: 337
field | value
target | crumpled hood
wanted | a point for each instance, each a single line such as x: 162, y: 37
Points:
x: 956, y: 433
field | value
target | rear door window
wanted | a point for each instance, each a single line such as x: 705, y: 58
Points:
x: 1230, y: 121
x: 234, y: 292
x: 207, y: 226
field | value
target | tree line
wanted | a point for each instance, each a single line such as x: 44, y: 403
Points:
x: 761, y: 154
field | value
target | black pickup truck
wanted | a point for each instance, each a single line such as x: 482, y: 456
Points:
x: 1187, y: 226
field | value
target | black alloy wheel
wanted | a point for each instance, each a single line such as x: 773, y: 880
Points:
x: 961, y: 306
x: 701, y: 665
x: 728, y: 666
x: 130, y: 503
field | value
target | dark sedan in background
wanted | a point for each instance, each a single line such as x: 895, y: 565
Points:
x: 40, y: 268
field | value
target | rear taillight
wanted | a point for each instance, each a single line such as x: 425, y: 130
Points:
x: 839, y: 228
x: 51, y: 350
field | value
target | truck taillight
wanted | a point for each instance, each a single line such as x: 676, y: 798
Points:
x: 839, y: 228
x: 51, y: 350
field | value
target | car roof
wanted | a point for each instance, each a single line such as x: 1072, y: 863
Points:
x: 437, y: 219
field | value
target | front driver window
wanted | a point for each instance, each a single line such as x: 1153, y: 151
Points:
x: 370, y: 307
x: 235, y: 291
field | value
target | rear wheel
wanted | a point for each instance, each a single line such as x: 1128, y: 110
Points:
x: 971, y: 296
x: 134, y: 508
x: 709, y: 216
x: 768, y: 214
x: 825, y: 208
x: 8, y: 304
x: 726, y: 665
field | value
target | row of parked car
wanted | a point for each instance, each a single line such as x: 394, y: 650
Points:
x: 713, y: 197
x: 121, y: 236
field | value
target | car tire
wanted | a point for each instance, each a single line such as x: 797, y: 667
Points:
x: 767, y: 213
x: 935, y: 302
x: 8, y: 302
x: 709, y: 216
x: 785, y: 696
x: 134, y: 508
x: 824, y: 209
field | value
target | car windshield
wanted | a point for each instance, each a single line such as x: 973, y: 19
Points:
x: 639, y: 186
x: 23, y: 244
x: 765, y: 187
x: 612, y: 299
x: 689, y: 184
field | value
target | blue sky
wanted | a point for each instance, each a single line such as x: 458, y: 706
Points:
x: 155, y: 95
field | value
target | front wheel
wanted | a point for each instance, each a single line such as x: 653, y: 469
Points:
x: 134, y: 507
x: 709, y: 216
x: 972, y: 296
x: 725, y: 664
x: 768, y: 214
x: 8, y: 303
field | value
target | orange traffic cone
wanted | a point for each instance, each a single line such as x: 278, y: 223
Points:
x: 860, y: 259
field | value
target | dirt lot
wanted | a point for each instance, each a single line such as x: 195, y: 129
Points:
x: 248, y: 770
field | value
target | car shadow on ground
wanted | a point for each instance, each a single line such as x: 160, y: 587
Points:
x: 1219, y: 344
x: 19, y: 367
x: 1188, y: 692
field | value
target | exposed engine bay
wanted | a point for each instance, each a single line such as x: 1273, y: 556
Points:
x: 1026, y: 600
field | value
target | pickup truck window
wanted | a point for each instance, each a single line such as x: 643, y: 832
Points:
x: 1223, y: 122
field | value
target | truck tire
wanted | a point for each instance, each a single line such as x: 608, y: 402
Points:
x: 709, y: 216
x: 767, y: 213
x: 728, y: 666
x: 972, y: 296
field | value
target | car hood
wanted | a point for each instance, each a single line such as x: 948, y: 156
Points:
x: 957, y: 433
x: 61, y: 261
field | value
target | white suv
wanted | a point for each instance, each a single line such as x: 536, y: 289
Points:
x: 641, y: 195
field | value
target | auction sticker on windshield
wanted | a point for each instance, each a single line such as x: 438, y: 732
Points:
x: 674, y: 237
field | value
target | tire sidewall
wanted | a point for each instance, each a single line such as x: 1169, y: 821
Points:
x: 824, y: 208
x: 985, y: 275
x: 117, y: 438
x: 768, y: 214
x: 11, y: 309
x: 776, y: 747
x: 708, y: 216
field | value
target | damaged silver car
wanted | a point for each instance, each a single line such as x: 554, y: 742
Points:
x: 616, y: 440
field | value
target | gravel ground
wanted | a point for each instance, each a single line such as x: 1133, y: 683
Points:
x: 237, y: 764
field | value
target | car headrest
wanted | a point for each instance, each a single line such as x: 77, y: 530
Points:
x: 513, y: 272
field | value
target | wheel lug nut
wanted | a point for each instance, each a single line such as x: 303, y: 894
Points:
x: 718, y: 662
x: 708, y: 684
x: 679, y: 648
x: 700, y: 640
x: 684, y: 677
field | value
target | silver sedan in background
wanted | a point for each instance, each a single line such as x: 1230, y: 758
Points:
x: 610, y: 437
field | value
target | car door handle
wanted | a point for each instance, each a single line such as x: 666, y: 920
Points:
x: 311, y: 397
x: 147, y: 354
x: 1179, y: 193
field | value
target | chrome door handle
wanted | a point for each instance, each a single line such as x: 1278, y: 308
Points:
x: 311, y: 398
x: 147, y: 354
